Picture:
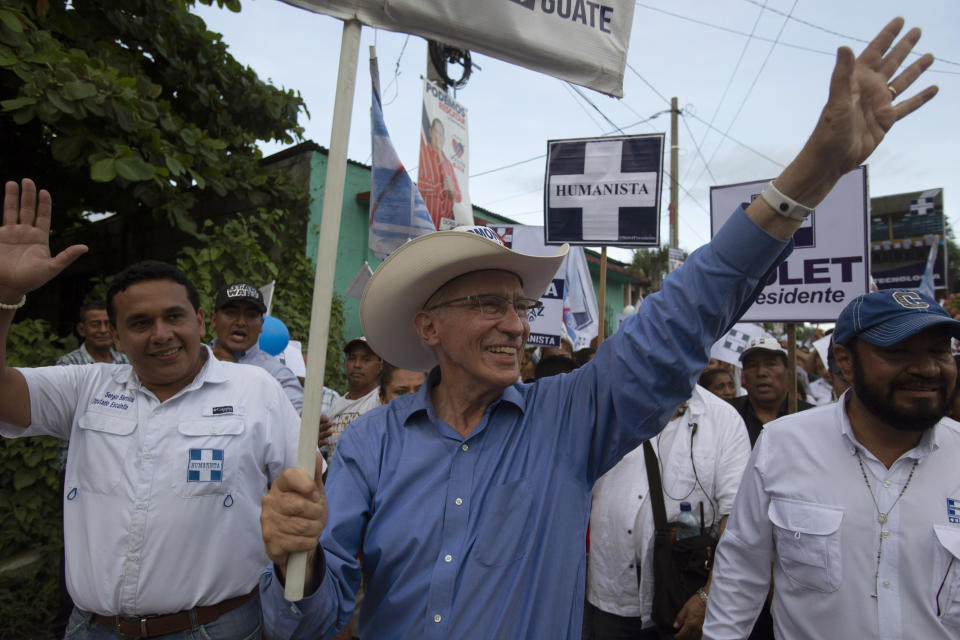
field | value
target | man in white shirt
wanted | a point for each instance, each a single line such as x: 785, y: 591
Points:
x: 703, y: 451
x: 169, y: 455
x: 362, y: 367
x: 856, y: 503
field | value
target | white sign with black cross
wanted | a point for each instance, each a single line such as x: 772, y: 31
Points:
x: 604, y: 191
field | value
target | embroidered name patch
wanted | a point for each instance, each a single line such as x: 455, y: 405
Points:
x: 205, y: 465
x: 222, y: 411
x: 953, y: 510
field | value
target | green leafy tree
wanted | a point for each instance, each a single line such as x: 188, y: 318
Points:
x: 652, y: 264
x: 31, y: 530
x: 134, y: 107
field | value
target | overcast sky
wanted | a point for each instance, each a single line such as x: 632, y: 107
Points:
x: 764, y: 91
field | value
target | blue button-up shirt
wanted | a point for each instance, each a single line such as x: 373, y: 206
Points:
x: 288, y: 380
x: 483, y: 537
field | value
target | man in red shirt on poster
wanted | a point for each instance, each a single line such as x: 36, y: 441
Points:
x: 435, y: 178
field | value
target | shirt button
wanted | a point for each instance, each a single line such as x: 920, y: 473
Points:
x: 630, y: 531
x: 448, y: 558
x: 885, y: 534
x: 886, y: 483
x: 631, y: 566
x: 886, y: 584
x: 459, y: 501
x: 141, y: 506
x: 464, y: 447
x: 437, y: 618
x: 147, y: 456
x: 640, y: 497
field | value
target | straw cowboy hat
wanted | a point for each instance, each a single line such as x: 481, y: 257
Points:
x: 410, y: 275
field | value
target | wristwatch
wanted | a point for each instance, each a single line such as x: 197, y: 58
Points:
x: 784, y: 205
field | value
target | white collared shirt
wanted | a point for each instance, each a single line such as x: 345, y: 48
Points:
x: 804, y: 505
x: 162, y: 500
x: 621, y: 518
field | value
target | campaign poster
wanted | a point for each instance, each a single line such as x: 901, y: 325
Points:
x: 443, y: 173
x: 829, y: 265
x: 577, y: 316
x: 903, y: 228
x: 604, y: 191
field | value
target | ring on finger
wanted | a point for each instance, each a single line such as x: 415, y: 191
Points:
x: 893, y: 91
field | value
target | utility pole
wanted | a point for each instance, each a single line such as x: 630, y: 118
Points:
x: 674, y: 162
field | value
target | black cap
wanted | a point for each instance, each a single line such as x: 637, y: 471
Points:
x: 240, y: 291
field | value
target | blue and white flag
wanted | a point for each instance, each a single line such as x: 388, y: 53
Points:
x: 926, y: 283
x: 397, y: 211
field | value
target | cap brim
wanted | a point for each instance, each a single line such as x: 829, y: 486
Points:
x: 746, y: 352
x: 900, y: 328
x: 411, y: 274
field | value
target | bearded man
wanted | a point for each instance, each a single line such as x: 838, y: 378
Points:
x: 855, y: 503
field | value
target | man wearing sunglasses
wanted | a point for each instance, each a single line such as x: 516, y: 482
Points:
x: 468, y: 501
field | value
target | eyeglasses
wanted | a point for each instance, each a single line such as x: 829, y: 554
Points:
x: 494, y: 307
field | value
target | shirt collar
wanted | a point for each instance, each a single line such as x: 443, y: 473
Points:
x: 212, y: 371
x: 929, y: 441
x: 423, y: 402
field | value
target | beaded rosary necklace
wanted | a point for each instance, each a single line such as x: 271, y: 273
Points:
x: 882, y: 516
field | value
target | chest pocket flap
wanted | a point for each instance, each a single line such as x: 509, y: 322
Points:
x: 804, y: 517
x: 211, y: 427
x: 100, y: 451
x: 949, y: 538
x: 809, y: 542
x: 104, y: 423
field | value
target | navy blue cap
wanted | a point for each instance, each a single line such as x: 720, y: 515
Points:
x: 890, y: 316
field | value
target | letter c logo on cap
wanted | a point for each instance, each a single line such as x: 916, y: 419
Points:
x: 910, y: 300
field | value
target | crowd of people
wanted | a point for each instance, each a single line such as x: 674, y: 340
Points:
x: 468, y: 487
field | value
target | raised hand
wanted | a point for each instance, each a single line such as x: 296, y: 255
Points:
x: 859, y: 111
x: 25, y: 261
x: 863, y: 92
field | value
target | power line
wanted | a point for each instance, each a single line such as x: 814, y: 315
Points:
x: 734, y: 140
x: 733, y: 74
x: 790, y: 45
x: 590, y: 102
x: 830, y: 31
x: 585, y: 110
x: 698, y: 118
x: 747, y: 95
x: 697, y: 146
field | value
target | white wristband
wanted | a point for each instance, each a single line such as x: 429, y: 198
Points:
x: 15, y: 305
x: 784, y: 205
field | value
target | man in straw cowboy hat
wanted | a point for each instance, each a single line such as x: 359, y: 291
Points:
x: 468, y: 501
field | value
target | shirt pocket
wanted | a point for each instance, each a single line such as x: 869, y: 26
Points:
x: 505, y: 524
x: 99, y: 454
x: 808, y: 542
x: 947, y: 574
x: 207, y: 459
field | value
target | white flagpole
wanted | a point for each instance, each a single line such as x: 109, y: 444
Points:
x: 323, y: 280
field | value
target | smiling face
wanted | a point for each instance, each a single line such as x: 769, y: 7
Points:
x: 474, y: 350
x: 95, y: 329
x: 238, y: 325
x: 160, y: 333
x: 909, y: 386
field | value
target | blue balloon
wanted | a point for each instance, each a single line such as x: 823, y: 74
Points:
x: 274, y: 337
